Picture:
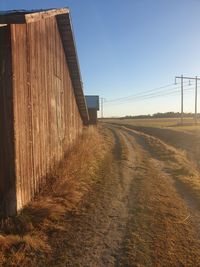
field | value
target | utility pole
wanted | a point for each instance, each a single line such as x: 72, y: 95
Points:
x: 182, y: 99
x: 102, y: 107
x: 196, y: 80
x: 188, y: 78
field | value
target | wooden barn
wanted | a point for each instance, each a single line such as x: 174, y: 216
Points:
x: 42, y: 105
x: 93, y: 107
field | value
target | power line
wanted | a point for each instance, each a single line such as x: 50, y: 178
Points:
x: 145, y: 96
x: 130, y: 96
x: 141, y: 94
x: 176, y: 93
x: 163, y: 91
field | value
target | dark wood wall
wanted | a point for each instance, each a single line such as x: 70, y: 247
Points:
x: 7, y: 158
x: 46, y: 117
x: 92, y: 115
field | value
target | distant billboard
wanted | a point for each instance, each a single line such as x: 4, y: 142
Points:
x: 92, y: 101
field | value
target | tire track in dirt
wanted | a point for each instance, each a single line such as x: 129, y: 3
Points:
x: 97, y: 228
x: 175, y: 164
x: 161, y: 229
x: 185, y: 140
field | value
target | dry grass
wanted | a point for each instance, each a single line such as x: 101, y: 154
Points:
x: 172, y: 123
x: 25, y: 240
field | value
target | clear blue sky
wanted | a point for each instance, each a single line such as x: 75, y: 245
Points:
x: 130, y: 46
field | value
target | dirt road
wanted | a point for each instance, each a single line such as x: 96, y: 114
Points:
x: 141, y: 212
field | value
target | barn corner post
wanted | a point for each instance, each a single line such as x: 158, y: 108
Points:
x: 8, y: 203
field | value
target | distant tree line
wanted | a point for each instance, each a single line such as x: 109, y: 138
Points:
x: 160, y: 115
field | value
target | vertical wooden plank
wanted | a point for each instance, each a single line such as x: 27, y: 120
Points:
x: 47, y: 104
x: 42, y: 60
x: 30, y: 106
x: 22, y: 114
x: 7, y: 152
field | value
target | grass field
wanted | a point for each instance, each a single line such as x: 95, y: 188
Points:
x: 172, y: 123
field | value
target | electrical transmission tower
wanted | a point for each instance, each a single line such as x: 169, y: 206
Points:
x: 182, y: 78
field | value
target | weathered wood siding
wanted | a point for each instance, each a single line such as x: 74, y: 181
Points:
x: 92, y: 115
x: 46, y: 117
x: 7, y: 159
